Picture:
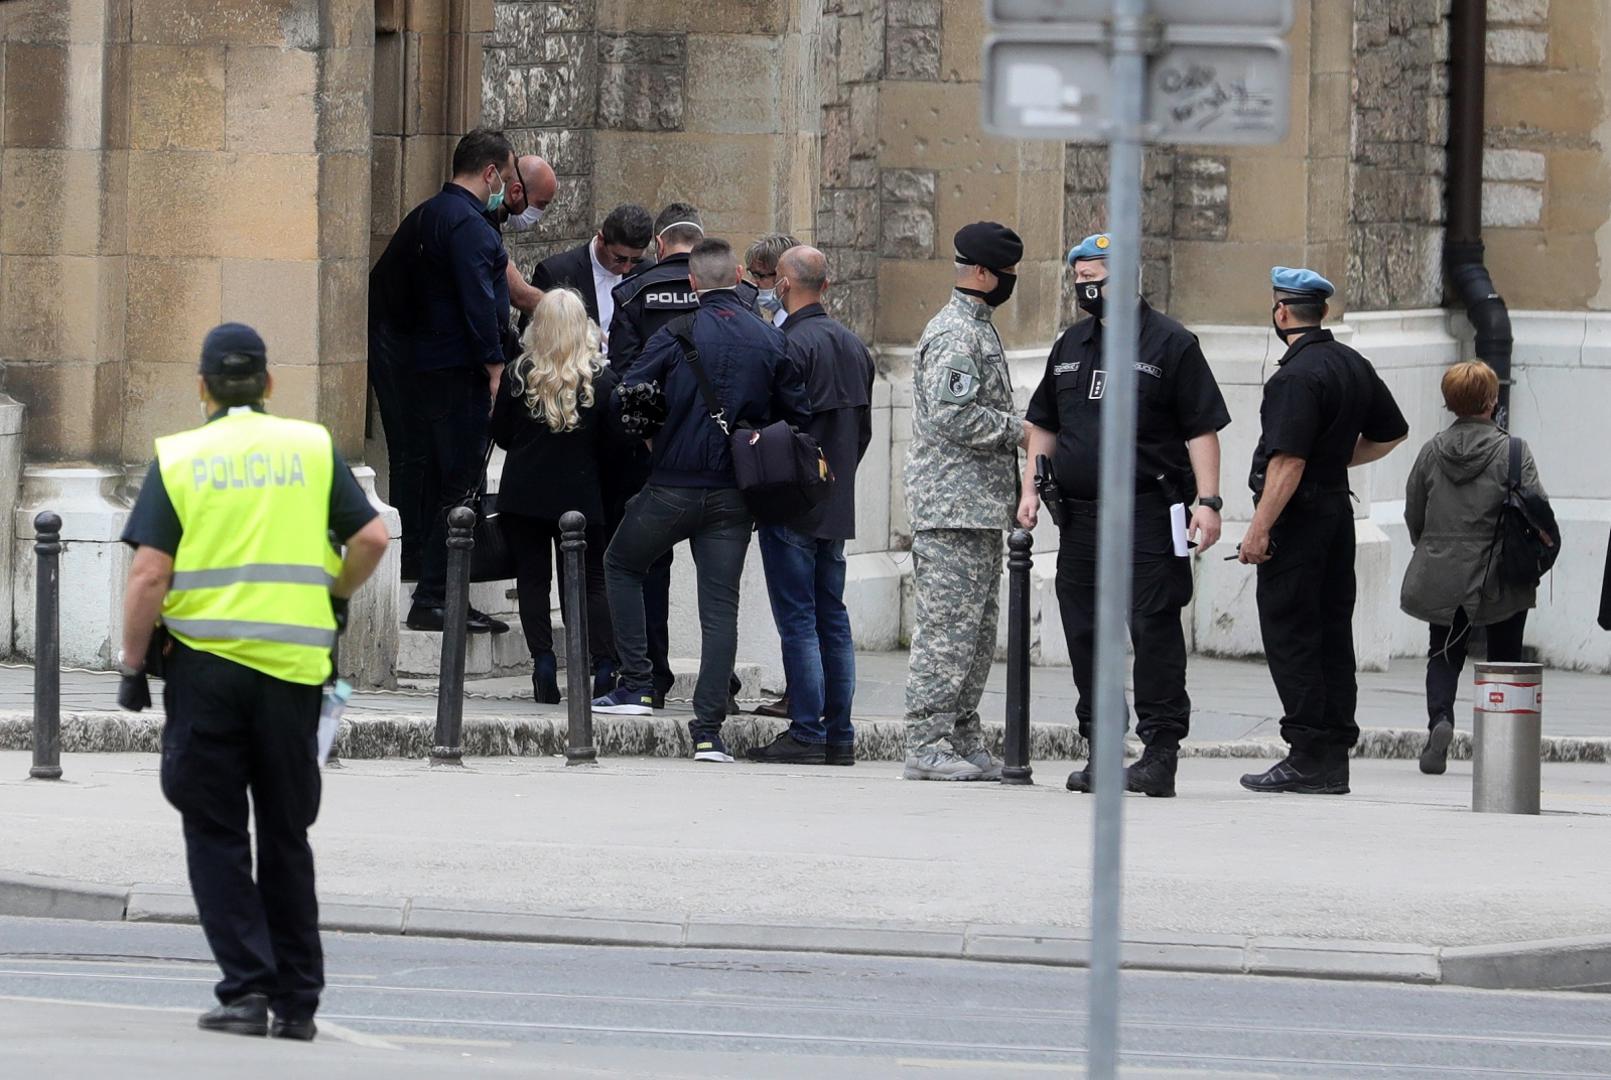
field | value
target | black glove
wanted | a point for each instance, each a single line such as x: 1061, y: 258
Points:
x: 643, y: 409
x: 338, y: 608
x: 133, y: 691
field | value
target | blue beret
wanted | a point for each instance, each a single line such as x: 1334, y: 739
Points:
x: 233, y: 349
x: 1307, y: 283
x: 1096, y: 246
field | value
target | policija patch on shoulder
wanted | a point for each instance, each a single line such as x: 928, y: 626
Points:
x: 960, y: 386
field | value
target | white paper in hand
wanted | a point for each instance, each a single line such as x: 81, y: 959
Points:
x: 333, y: 704
x: 1177, y: 529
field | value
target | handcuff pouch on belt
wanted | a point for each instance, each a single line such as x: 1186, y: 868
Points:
x: 1049, y: 490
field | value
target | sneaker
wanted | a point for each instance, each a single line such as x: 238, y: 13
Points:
x: 1302, y: 775
x: 1435, y: 758
x: 711, y: 748
x: 624, y: 702
x: 1153, y: 775
x: 787, y: 750
x: 479, y: 622
x: 778, y: 709
x: 934, y: 763
x: 1080, y: 779
x: 988, y: 764
x: 246, y: 1015
x: 844, y: 754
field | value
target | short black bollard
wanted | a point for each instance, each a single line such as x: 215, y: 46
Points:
x: 579, y: 749
x: 455, y: 638
x: 1015, y: 769
x: 47, y: 649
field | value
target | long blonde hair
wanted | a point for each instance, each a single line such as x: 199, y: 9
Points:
x: 559, y: 357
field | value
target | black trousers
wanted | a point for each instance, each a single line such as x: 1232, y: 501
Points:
x: 231, y: 730
x: 1446, y: 657
x: 406, y: 437
x: 656, y: 597
x: 534, y: 542
x: 1306, y: 616
x: 1162, y: 585
x: 455, y: 404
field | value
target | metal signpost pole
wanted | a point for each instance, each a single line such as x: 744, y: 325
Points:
x: 1131, y: 39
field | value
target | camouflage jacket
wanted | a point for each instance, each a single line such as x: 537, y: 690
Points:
x: 962, y: 467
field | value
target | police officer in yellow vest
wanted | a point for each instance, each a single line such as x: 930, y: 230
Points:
x: 232, y: 536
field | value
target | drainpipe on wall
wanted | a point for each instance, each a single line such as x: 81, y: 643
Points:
x: 1462, y: 246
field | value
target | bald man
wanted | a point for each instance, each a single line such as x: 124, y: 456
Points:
x: 805, y: 558
x: 532, y: 189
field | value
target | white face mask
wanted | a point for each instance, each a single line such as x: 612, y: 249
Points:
x: 526, y: 219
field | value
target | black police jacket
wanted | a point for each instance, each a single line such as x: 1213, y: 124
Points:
x: 649, y: 299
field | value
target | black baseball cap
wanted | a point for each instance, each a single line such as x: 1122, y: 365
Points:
x: 233, y: 349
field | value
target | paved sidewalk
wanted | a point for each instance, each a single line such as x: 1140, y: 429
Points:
x: 1401, y: 860
x: 1232, y: 700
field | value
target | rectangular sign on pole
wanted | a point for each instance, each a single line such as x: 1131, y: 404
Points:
x: 1271, y: 15
x: 1041, y: 87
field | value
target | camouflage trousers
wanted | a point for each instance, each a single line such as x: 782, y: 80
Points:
x: 955, y: 577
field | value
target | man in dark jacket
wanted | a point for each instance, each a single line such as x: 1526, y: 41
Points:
x: 446, y: 268
x: 595, y: 268
x: 805, y: 559
x: 692, y: 493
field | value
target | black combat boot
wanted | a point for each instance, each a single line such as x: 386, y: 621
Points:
x: 246, y: 1015
x: 1080, y: 779
x: 1303, y: 774
x: 1153, y: 775
x: 303, y: 1030
x: 1435, y: 758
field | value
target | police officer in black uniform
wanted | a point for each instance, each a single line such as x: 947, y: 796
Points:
x: 644, y: 302
x: 1181, y: 412
x: 1325, y: 409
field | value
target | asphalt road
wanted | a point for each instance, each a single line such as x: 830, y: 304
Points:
x: 111, y: 999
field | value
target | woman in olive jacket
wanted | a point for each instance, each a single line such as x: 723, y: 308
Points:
x: 1451, y: 506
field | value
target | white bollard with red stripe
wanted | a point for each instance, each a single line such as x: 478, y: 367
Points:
x: 1506, y: 738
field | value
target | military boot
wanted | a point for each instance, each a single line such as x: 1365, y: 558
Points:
x: 937, y: 763
x: 246, y: 1015
x: 989, y: 765
x: 1153, y: 775
x: 1081, y: 779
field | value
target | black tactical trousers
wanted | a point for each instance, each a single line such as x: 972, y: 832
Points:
x: 231, y: 730
x: 1162, y: 584
x: 1306, y: 615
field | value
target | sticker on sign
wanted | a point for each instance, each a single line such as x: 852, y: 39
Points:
x: 1273, y: 15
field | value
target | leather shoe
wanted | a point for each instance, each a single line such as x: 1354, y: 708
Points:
x: 778, y: 709
x: 301, y: 1030
x: 787, y: 750
x: 840, y: 754
x: 432, y: 619
x: 246, y: 1015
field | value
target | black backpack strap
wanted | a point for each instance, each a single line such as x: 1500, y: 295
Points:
x: 682, y: 329
x: 1516, y: 448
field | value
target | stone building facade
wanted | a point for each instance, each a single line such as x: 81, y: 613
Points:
x: 165, y: 164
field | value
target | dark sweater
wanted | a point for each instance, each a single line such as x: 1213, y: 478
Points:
x: 548, y: 473
x: 838, y: 374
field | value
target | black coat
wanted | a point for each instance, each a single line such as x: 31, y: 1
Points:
x: 1605, y: 591
x: 547, y: 473
x: 573, y: 268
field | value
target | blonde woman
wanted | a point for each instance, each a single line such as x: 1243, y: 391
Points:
x: 550, y: 417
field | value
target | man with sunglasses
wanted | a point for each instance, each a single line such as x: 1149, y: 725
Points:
x: 596, y: 267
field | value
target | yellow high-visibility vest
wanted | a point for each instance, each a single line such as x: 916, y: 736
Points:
x: 252, y: 576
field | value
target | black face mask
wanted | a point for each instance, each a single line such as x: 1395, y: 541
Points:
x: 1290, y: 332
x: 1088, y: 295
x: 1000, y: 294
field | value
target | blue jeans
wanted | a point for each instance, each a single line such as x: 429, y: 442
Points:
x: 805, y: 579
x: 717, y: 525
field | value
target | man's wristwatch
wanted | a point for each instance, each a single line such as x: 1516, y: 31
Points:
x: 1213, y: 502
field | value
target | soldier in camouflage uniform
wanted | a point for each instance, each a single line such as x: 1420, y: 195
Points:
x: 961, y: 491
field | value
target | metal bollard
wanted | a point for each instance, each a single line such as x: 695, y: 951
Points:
x: 1015, y: 769
x: 47, y: 649
x: 455, y: 638
x: 1506, y: 738
x: 579, y: 749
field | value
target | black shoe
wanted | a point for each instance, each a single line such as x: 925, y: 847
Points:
x: 479, y: 622
x: 1302, y: 775
x: 787, y: 750
x: 604, y: 676
x: 545, y: 679
x: 1435, y: 758
x: 844, y: 754
x: 1153, y: 775
x: 246, y: 1015
x: 303, y: 1030
x: 778, y: 709
x: 429, y: 619
x: 661, y: 689
x: 1080, y: 779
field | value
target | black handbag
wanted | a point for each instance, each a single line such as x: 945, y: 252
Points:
x: 781, y: 472
x: 490, y: 559
x: 1527, y: 540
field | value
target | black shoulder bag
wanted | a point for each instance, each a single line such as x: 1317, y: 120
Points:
x: 781, y: 472
x: 490, y: 559
x: 1527, y: 541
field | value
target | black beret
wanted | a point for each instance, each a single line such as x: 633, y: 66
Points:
x: 233, y: 349
x: 988, y: 244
